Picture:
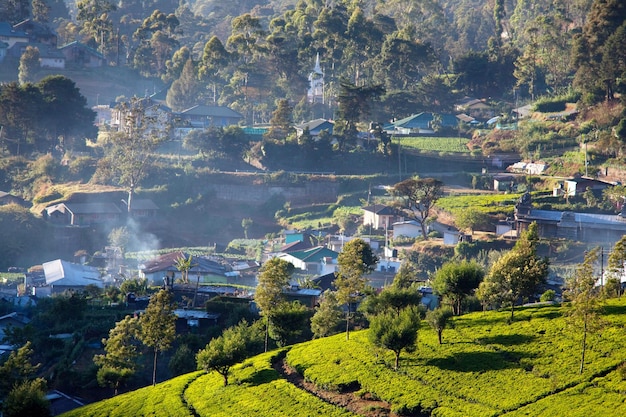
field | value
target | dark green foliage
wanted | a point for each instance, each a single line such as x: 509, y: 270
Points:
x: 291, y: 324
x: 17, y: 369
x: 392, y: 298
x: 235, y: 344
x: 328, y: 316
x: 24, y: 236
x: 26, y: 114
x: 517, y: 274
x: 231, y: 311
x: 457, y: 280
x: 438, y: 319
x: 27, y: 399
x: 355, y: 260
x: 119, y: 363
x: 555, y: 104
x: 183, y: 361
x: 396, y: 331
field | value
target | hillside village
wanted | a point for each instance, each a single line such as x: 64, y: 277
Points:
x: 205, y: 197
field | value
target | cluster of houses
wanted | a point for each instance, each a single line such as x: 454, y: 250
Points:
x: 14, y: 39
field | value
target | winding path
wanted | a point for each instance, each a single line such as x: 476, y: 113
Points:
x: 361, y: 405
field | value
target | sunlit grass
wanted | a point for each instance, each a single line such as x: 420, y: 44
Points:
x: 487, y: 365
x: 436, y: 144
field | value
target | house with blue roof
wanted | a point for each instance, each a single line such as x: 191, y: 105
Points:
x: 422, y: 123
x: 318, y: 260
x: 11, y: 36
x: 316, y: 127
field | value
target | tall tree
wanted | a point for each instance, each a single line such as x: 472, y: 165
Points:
x: 455, y: 281
x: 157, y: 42
x: 129, y: 152
x: 175, y: 65
x: 353, y: 105
x: 158, y: 325
x: 280, y: 123
x: 585, y: 310
x: 355, y: 260
x: 29, y: 65
x: 119, y: 362
x: 420, y: 195
x: 94, y: 17
x: 214, y: 61
x: 246, y: 38
x: 274, y: 277
x: 603, y: 20
x: 76, y: 121
x: 184, y: 91
x: 518, y: 273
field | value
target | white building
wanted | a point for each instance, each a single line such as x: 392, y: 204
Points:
x: 316, y: 83
x: 63, y: 275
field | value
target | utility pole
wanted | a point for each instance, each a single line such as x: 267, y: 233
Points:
x: 399, y: 161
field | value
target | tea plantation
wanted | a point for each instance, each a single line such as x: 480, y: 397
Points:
x: 486, y: 366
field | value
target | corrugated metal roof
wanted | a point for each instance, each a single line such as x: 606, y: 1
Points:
x: 167, y: 262
x: 380, y: 209
x: 582, y: 218
x: 92, y: 208
x: 211, y: 111
x: 59, y: 272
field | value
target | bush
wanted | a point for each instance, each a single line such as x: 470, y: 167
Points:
x: 549, y: 295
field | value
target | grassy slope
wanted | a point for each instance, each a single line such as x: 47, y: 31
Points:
x: 485, y: 367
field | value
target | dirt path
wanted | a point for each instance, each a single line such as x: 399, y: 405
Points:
x: 361, y: 405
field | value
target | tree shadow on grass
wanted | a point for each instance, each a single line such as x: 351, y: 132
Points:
x: 548, y: 314
x: 506, y: 339
x: 479, y: 361
x: 261, y: 377
x: 614, y: 309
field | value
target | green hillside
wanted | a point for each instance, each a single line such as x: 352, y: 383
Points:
x: 485, y: 367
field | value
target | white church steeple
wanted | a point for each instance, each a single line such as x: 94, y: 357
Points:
x: 316, y: 83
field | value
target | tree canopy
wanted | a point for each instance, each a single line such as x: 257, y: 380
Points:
x: 517, y: 274
x: 420, y: 195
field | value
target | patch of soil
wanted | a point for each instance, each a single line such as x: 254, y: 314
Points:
x: 362, y: 405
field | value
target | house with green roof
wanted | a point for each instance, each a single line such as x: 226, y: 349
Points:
x: 203, y: 117
x: 318, y: 260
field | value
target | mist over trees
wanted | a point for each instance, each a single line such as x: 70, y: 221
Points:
x: 425, y: 54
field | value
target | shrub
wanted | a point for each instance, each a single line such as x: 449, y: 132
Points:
x: 548, y: 295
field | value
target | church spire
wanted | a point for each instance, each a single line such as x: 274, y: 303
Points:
x: 316, y: 83
x: 318, y: 67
